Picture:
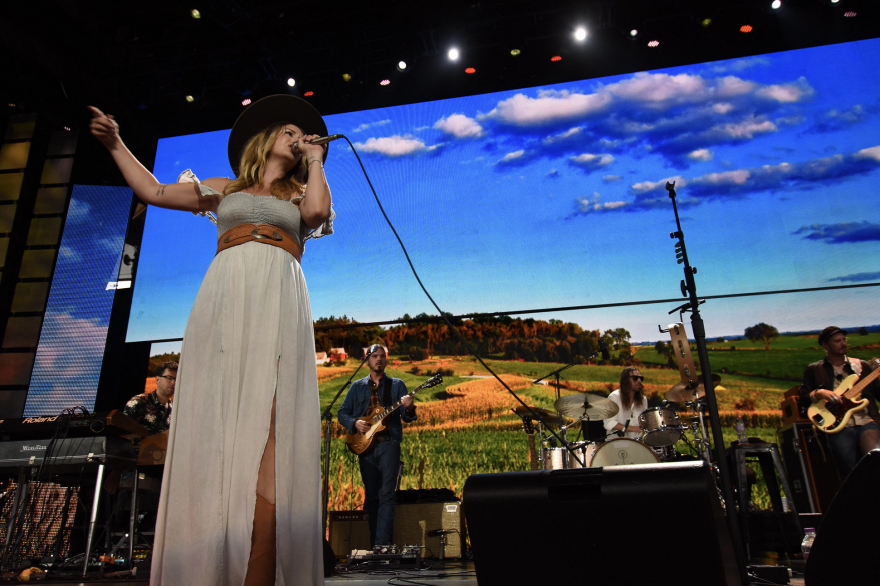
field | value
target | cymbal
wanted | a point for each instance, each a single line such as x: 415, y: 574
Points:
x: 547, y: 416
x: 682, y: 391
x: 595, y: 407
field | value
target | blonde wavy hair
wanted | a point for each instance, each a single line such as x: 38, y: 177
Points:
x: 254, y: 157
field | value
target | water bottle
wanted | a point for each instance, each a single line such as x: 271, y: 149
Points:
x: 740, y: 428
x: 807, y: 543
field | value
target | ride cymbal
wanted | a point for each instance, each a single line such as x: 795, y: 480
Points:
x: 595, y: 407
x: 547, y: 416
x: 682, y: 391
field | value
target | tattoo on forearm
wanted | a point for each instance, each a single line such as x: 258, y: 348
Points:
x: 161, y: 190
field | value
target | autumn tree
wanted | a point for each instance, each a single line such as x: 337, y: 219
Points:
x: 762, y: 333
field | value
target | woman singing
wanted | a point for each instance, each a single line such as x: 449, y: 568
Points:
x: 237, y: 489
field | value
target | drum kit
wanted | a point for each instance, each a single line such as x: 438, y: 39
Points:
x: 662, y: 427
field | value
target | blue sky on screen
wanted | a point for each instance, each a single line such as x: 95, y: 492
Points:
x: 554, y: 196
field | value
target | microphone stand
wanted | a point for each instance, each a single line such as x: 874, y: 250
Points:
x: 689, y: 289
x: 326, y: 415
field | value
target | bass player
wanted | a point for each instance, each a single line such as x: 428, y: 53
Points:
x: 379, y: 465
x: 862, y: 433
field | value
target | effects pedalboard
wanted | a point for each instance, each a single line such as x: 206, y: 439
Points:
x: 384, y: 557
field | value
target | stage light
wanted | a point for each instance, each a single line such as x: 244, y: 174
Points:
x: 245, y: 101
x: 555, y: 58
x: 401, y: 65
x: 195, y: 14
x: 470, y: 70
x: 654, y: 43
x: 346, y: 77
x: 706, y: 22
x: 67, y: 128
x: 776, y: 4
x: 291, y: 82
x: 746, y: 28
x: 310, y: 93
x: 190, y: 99
x: 385, y: 82
x: 580, y: 34
x: 633, y: 33
x: 453, y: 54
x: 850, y: 14
x: 515, y: 52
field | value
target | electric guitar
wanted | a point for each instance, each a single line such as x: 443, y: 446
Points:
x: 831, y: 417
x: 361, y: 443
x: 529, y: 427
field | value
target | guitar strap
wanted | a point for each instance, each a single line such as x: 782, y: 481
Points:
x: 386, y: 395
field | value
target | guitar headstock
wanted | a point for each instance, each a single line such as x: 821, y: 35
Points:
x: 432, y: 382
x: 528, y: 425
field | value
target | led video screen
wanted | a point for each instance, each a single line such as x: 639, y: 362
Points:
x: 555, y: 197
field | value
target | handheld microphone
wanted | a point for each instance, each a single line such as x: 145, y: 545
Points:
x: 319, y: 140
x: 622, y: 432
x: 604, y: 348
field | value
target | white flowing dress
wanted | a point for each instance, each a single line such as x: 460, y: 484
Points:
x: 249, y: 338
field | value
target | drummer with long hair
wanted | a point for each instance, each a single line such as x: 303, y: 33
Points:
x: 237, y: 489
x: 631, y: 401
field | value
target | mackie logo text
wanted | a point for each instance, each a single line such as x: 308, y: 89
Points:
x: 34, y: 448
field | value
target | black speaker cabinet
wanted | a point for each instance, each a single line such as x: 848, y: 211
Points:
x: 413, y: 521
x: 645, y: 525
x: 839, y: 555
x: 348, y: 530
x: 811, y: 470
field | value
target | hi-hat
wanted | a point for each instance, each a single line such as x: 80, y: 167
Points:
x: 683, y: 391
x: 547, y: 417
x: 596, y: 408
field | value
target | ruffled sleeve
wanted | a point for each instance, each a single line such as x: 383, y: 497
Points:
x: 324, y: 229
x: 187, y: 176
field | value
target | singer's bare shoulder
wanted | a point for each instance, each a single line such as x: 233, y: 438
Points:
x: 218, y: 183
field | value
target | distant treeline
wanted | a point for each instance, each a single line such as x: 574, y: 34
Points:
x: 513, y: 338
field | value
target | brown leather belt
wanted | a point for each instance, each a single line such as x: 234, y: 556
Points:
x: 264, y: 233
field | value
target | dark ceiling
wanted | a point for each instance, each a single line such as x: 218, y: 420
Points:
x: 140, y: 59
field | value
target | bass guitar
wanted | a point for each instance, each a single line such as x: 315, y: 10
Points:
x: 361, y: 443
x: 831, y: 417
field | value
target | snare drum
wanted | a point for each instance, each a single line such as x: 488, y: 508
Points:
x: 622, y: 452
x: 660, y: 426
x: 554, y: 458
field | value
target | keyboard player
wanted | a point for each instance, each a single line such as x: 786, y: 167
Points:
x: 153, y: 410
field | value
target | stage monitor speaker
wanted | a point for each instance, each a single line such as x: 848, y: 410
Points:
x: 839, y: 555
x: 611, y: 525
x: 348, y: 530
x: 412, y: 522
x: 810, y: 466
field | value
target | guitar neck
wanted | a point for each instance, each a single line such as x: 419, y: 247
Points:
x: 394, y: 407
x: 857, y: 389
x: 533, y: 456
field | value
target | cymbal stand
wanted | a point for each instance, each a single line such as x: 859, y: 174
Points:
x: 558, y: 395
x: 701, y: 433
x: 327, y: 416
x: 689, y: 290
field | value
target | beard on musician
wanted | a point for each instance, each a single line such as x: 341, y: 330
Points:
x: 861, y: 433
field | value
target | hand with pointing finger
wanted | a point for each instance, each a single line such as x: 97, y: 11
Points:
x: 104, y: 128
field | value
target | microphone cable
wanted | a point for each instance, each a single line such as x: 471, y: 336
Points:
x: 437, y: 307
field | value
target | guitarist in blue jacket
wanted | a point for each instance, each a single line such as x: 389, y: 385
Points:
x: 379, y: 465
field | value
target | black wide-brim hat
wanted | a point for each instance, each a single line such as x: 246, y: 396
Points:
x: 277, y: 109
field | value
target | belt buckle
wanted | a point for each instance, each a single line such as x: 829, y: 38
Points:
x: 257, y: 236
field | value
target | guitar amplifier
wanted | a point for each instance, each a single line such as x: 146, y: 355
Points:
x: 791, y: 411
x: 412, y: 522
x: 810, y: 465
x: 349, y: 530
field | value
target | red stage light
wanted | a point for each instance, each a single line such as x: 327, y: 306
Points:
x: 746, y: 28
x: 245, y: 101
x: 470, y: 70
x: 849, y: 14
x: 309, y: 94
x: 653, y: 44
x: 555, y: 58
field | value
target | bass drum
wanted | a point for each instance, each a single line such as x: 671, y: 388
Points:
x: 622, y: 452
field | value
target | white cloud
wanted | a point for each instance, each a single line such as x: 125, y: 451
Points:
x: 549, y: 107
x: 590, y: 161
x: 869, y: 153
x: 745, y: 129
x: 646, y: 186
x: 512, y: 156
x: 738, y: 177
x: 460, y: 126
x: 652, y: 88
x: 586, y: 204
x: 394, y: 146
x: 700, y: 155
x: 363, y: 127
x: 787, y: 92
x: 564, y: 136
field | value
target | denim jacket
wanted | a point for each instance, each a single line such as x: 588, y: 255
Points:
x: 358, y: 399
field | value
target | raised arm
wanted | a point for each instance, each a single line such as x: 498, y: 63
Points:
x: 175, y: 196
x: 315, y: 207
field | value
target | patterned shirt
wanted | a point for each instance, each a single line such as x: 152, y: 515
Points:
x: 149, y: 412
